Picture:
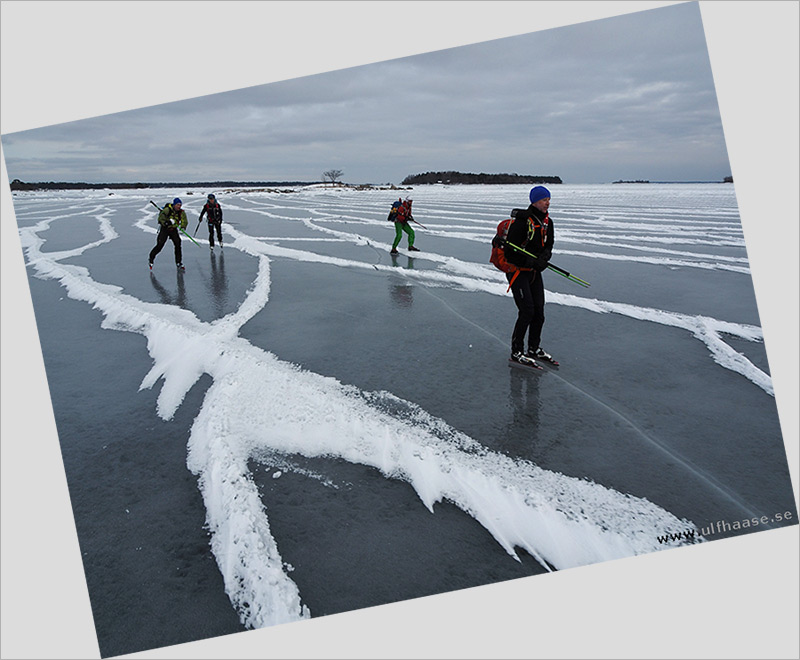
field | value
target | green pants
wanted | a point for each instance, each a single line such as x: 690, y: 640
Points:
x: 399, y: 228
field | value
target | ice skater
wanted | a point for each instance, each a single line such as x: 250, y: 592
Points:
x: 214, y: 211
x: 171, y: 219
x: 531, y: 230
x: 401, y: 214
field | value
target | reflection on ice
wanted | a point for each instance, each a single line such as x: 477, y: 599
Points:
x: 168, y: 298
x: 259, y: 406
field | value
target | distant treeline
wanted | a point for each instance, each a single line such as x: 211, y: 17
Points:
x: 16, y: 184
x: 461, y: 177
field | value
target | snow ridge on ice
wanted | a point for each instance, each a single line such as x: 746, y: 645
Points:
x: 258, y: 403
x: 479, y: 277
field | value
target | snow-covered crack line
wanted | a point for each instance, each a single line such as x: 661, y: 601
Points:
x: 258, y: 404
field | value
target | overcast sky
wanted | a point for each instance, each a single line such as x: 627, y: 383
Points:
x: 625, y: 97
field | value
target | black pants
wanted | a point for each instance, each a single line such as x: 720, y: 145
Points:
x: 211, y: 226
x: 163, y: 235
x: 528, y: 292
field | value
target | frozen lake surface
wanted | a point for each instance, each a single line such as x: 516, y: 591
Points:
x: 302, y: 424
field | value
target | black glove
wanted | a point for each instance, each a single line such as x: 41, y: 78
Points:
x: 536, y: 263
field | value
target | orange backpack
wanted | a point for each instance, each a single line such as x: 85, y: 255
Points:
x: 498, y: 256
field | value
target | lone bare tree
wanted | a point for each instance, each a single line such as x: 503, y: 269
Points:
x: 332, y: 175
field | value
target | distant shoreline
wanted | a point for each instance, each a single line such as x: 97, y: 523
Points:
x: 18, y: 185
x: 255, y: 186
x: 669, y: 182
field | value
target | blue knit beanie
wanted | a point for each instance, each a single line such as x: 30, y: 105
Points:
x: 539, y: 192
x: 177, y: 200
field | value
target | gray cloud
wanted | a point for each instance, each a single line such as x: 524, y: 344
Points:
x: 623, y: 97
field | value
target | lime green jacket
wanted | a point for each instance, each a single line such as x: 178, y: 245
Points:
x: 170, y: 218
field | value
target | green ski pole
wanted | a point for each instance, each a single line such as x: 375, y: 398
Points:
x: 555, y: 269
x: 189, y: 237
x: 569, y: 276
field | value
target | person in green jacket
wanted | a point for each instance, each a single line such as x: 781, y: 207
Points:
x: 171, y: 219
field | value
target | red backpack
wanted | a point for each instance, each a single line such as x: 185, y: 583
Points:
x: 498, y: 256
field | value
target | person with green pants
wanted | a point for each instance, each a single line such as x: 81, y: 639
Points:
x: 401, y: 214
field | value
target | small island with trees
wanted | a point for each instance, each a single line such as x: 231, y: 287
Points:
x: 482, y: 178
x: 727, y: 179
